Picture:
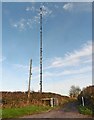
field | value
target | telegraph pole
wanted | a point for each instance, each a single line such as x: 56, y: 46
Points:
x: 30, y: 73
x: 40, y: 49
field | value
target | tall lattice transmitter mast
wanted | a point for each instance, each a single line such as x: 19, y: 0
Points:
x: 40, y: 49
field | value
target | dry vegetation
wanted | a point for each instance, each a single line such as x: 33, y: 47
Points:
x: 19, y: 99
x: 88, y: 94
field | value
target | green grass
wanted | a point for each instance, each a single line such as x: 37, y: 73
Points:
x: 0, y: 113
x: 84, y: 110
x: 17, y: 112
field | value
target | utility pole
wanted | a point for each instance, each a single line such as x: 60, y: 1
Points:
x: 40, y: 49
x: 30, y: 73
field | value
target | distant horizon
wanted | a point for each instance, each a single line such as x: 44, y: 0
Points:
x: 42, y: 91
x: 35, y: 92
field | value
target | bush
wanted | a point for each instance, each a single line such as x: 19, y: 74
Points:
x: 84, y: 110
x: 88, y: 94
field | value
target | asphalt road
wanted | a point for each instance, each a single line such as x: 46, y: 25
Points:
x: 67, y: 111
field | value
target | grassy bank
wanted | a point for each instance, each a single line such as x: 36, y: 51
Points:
x: 84, y: 110
x: 0, y: 113
x: 17, y: 112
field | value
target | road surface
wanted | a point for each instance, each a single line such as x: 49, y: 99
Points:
x: 68, y: 111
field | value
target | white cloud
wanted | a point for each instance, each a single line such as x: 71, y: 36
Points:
x: 46, y: 11
x: 74, y: 63
x: 75, y: 7
x: 82, y: 70
x: 68, y: 6
x: 66, y: 71
x: 78, y: 58
x: 30, y: 9
x: 74, y: 58
x: 21, y: 24
x: 24, y: 23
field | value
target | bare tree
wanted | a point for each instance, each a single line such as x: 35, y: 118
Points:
x: 74, y: 91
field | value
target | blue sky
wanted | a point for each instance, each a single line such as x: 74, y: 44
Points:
x: 67, y: 45
x: 0, y: 45
x: 47, y: 0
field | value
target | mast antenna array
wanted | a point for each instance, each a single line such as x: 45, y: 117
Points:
x: 40, y: 49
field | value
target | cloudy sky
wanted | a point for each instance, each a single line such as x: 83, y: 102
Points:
x: 67, y: 45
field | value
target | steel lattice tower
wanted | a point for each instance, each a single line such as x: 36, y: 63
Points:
x: 40, y: 49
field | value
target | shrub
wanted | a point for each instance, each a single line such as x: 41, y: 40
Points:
x: 84, y: 110
x: 88, y: 94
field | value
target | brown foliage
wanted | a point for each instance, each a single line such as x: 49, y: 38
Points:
x: 19, y: 99
x: 88, y: 94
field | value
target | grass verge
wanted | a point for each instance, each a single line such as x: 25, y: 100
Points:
x: 84, y: 110
x: 0, y: 113
x: 28, y: 110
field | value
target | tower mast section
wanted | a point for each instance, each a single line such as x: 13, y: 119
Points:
x: 40, y: 49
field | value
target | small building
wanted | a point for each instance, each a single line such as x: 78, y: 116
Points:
x: 50, y: 101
